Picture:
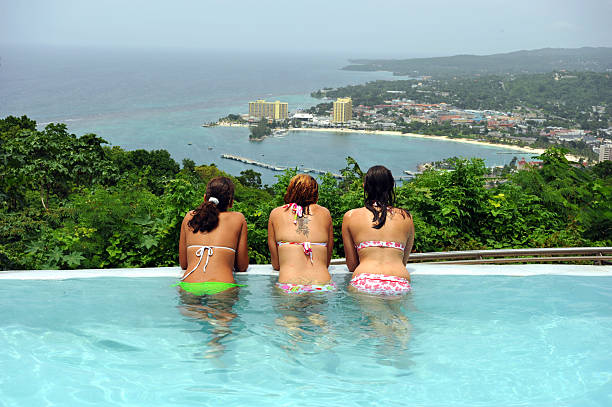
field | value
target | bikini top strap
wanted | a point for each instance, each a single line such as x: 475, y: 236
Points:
x: 379, y: 243
x: 283, y: 242
x: 200, y: 254
x: 305, y: 245
x: 297, y: 209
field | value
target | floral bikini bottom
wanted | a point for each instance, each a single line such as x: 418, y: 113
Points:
x: 303, y: 288
x: 380, y: 284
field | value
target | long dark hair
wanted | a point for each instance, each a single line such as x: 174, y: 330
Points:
x: 206, y: 217
x: 302, y: 190
x: 379, y: 194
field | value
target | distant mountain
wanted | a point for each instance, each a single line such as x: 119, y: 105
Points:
x: 535, y: 61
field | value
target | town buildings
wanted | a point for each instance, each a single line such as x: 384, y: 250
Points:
x: 343, y: 110
x: 269, y: 110
x: 605, y: 152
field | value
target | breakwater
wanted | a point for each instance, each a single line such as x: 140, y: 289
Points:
x: 276, y: 167
x: 409, y: 176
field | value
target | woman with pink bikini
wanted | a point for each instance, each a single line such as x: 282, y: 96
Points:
x: 378, y: 238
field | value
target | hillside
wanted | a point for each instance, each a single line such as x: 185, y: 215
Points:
x: 534, y: 61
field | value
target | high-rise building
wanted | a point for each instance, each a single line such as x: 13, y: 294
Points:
x: 605, y: 152
x: 343, y: 110
x: 269, y: 110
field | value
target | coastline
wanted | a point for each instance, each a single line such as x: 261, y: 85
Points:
x: 537, y: 151
x: 531, y: 150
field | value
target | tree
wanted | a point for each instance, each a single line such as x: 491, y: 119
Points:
x: 260, y: 131
x: 188, y: 165
x: 250, y: 178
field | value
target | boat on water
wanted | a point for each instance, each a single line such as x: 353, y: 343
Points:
x: 279, y: 132
x: 210, y: 148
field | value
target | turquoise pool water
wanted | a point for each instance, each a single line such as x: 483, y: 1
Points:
x: 454, y: 341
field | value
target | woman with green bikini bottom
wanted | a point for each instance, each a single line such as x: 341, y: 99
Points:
x: 213, y: 242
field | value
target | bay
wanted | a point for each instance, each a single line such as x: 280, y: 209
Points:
x: 158, y: 99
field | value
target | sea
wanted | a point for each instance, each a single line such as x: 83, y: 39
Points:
x: 159, y: 99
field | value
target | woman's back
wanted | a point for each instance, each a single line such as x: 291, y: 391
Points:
x: 215, y: 249
x: 384, y: 250
x: 213, y: 241
x: 301, y: 246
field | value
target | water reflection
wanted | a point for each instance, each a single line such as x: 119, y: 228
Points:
x: 302, y: 318
x: 387, y: 322
x: 216, y: 311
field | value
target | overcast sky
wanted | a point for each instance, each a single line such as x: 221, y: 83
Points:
x: 383, y: 28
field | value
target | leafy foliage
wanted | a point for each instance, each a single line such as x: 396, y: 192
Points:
x: 569, y: 95
x: 107, y: 207
x: 534, y: 61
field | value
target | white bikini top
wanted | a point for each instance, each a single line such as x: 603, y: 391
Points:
x: 200, y: 254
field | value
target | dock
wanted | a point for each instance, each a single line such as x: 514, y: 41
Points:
x: 408, y: 177
x: 275, y: 167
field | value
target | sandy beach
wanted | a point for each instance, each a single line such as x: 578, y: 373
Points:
x: 532, y: 151
x: 537, y: 151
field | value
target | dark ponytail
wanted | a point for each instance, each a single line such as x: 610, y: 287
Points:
x: 379, y: 194
x: 206, y: 216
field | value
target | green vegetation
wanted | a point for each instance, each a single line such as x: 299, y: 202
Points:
x: 71, y: 202
x: 260, y: 131
x: 535, y: 61
x: 569, y: 96
x: 233, y: 118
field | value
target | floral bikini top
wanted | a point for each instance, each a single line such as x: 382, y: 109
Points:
x: 380, y: 243
x: 299, y: 212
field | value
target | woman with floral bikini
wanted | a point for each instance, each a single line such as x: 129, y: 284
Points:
x: 301, y: 239
x: 378, y: 238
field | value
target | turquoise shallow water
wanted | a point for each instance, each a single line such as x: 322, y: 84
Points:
x: 158, y: 100
x: 454, y: 341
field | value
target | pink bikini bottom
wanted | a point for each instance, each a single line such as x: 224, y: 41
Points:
x: 380, y: 284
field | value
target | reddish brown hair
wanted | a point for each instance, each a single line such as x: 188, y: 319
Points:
x: 302, y: 190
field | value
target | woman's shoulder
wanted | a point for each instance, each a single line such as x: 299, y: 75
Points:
x: 405, y: 213
x: 321, y: 209
x: 277, y: 210
x: 237, y: 216
x: 356, y: 212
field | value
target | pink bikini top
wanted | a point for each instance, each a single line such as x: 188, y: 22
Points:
x: 380, y: 243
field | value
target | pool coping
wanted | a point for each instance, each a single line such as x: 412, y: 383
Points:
x: 516, y: 270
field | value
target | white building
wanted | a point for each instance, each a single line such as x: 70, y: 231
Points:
x: 605, y: 152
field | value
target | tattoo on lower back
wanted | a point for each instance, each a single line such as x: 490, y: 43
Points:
x: 302, y: 226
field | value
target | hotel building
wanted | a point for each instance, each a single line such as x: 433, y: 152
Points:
x: 605, y: 152
x: 269, y: 110
x: 343, y: 110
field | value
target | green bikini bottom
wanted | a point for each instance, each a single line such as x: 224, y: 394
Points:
x: 207, y: 287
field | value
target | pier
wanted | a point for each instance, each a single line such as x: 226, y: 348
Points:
x: 275, y: 167
x: 408, y: 177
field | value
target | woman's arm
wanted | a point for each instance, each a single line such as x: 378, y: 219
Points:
x: 242, y: 248
x: 272, y: 246
x: 350, y: 253
x: 409, y: 241
x: 183, y: 244
x: 330, y: 240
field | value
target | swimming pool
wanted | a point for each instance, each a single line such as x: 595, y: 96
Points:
x: 456, y: 340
